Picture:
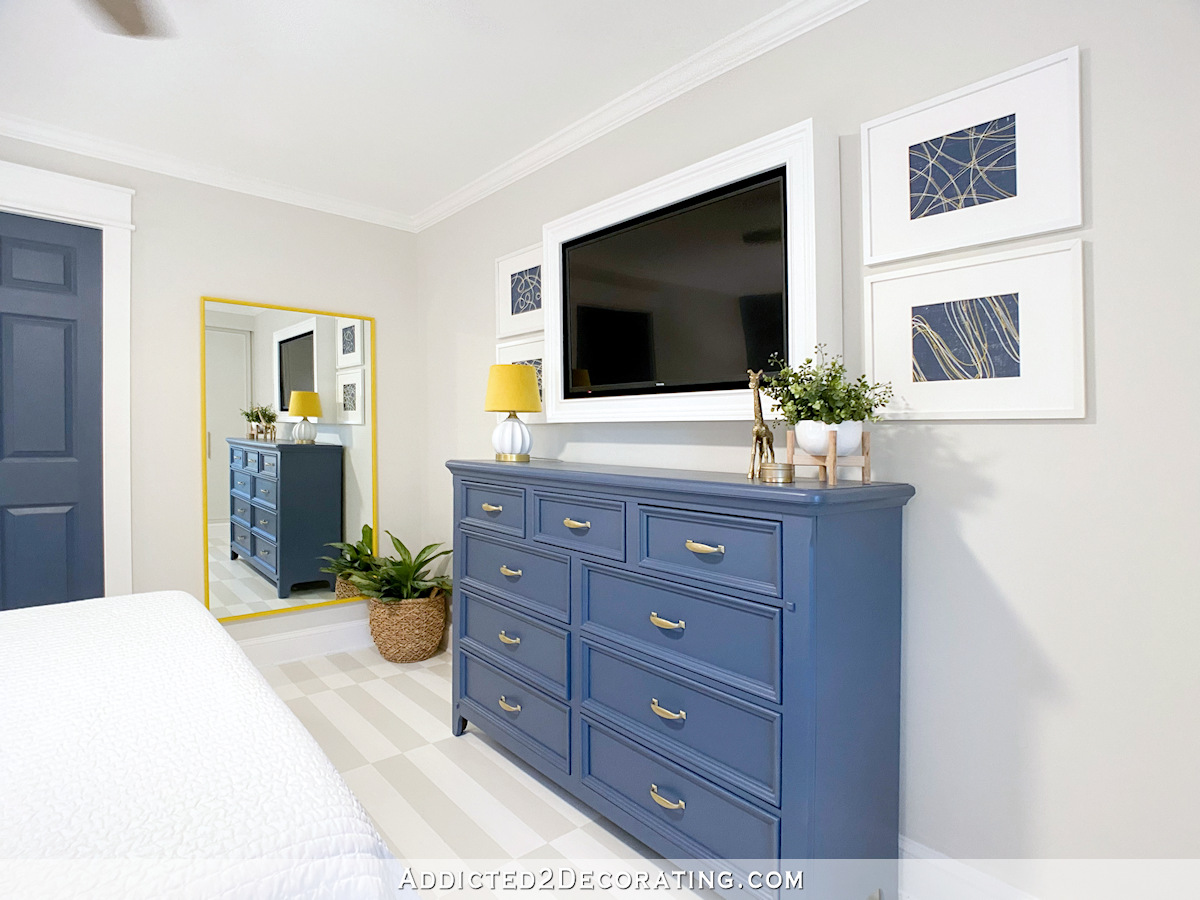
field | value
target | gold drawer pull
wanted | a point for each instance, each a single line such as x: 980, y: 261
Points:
x: 242, y: 483
x: 571, y: 523
x: 487, y: 507
x: 508, y: 707
x: 665, y: 713
x: 264, y: 552
x: 264, y: 491
x: 703, y: 548
x: 664, y: 623
x: 241, y: 510
x: 663, y: 801
x: 506, y: 639
x: 511, y: 573
x: 264, y: 521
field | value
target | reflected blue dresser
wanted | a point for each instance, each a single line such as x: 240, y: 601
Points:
x: 285, y: 505
x: 712, y: 664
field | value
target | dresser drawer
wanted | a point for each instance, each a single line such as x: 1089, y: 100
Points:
x: 237, y: 457
x: 731, y: 641
x: 240, y: 482
x: 581, y: 523
x: 240, y: 540
x: 538, y: 719
x: 533, y: 577
x: 266, y: 491
x: 268, y: 463
x: 538, y: 651
x: 265, y: 553
x: 252, y: 460
x: 239, y: 510
x: 732, y: 551
x: 497, y: 508
x: 726, y: 738
x: 706, y: 820
x: 265, y: 522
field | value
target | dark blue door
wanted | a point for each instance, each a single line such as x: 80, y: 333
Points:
x: 51, y: 503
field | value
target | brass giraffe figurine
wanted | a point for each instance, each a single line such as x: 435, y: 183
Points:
x: 764, y: 441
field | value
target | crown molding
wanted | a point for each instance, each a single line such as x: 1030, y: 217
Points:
x: 753, y: 40
x: 759, y: 37
x: 164, y: 164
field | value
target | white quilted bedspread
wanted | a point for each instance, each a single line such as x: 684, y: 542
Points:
x: 143, y: 756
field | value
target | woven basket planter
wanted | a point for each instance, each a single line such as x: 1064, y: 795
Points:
x: 344, y: 590
x: 408, y: 630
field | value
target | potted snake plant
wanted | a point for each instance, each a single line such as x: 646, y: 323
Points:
x: 407, y: 604
x: 357, y: 557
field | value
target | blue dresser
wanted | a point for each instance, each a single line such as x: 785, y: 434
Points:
x: 712, y: 664
x: 285, y: 505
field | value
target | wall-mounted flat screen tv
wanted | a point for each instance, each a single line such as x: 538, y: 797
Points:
x: 685, y: 298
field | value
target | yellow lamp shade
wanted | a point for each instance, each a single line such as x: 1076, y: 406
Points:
x: 513, y: 389
x: 305, y: 403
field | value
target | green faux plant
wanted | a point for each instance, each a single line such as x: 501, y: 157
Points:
x: 403, y: 577
x: 264, y: 415
x: 820, y: 391
x: 356, y: 557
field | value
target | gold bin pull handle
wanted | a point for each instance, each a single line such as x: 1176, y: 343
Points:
x: 508, y: 640
x: 487, y: 507
x: 511, y: 573
x: 508, y: 707
x: 703, y: 548
x: 572, y: 523
x: 663, y: 801
x: 665, y: 624
x: 665, y: 713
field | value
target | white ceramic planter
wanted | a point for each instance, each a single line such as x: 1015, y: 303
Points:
x: 812, y: 438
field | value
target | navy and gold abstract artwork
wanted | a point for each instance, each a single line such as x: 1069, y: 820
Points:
x: 966, y: 168
x: 526, y: 290
x: 967, y: 339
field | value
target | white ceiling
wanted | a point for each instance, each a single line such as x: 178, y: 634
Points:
x: 394, y: 111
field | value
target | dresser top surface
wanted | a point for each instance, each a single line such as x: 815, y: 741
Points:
x: 282, y: 445
x: 805, y: 492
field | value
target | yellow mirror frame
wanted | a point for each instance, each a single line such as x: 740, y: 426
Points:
x: 204, y: 444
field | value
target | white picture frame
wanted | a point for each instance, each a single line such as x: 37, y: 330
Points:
x: 956, y: 171
x: 350, y: 397
x: 528, y: 351
x: 519, y: 293
x: 944, y: 336
x: 349, y: 343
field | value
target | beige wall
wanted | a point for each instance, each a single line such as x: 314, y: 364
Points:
x: 1050, y: 588
x: 191, y: 241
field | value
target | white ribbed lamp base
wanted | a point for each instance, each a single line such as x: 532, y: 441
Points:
x: 512, y: 440
x: 304, y: 432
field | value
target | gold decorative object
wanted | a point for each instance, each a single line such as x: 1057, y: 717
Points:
x: 763, y: 449
x: 776, y: 473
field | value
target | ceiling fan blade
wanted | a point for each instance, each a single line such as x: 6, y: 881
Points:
x: 126, y: 15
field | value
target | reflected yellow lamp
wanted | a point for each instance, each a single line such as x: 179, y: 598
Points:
x: 304, y: 404
x: 512, y: 389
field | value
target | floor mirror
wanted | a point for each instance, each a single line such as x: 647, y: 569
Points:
x: 275, y: 494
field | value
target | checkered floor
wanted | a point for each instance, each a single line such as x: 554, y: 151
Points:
x: 440, y: 800
x: 235, y: 589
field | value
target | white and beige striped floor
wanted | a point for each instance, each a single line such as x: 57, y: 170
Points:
x: 437, y: 799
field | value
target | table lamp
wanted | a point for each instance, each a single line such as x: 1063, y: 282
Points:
x: 512, y: 389
x: 304, y: 404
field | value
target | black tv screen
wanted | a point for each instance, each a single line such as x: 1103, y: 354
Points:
x: 686, y: 298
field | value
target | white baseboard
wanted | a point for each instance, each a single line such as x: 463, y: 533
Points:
x: 926, y: 874
x: 302, y: 643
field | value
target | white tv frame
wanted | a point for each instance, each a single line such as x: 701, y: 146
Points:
x: 813, y: 266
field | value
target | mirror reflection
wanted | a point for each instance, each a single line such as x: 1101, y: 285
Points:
x: 289, y: 452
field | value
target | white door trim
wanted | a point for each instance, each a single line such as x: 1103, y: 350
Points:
x: 65, y: 198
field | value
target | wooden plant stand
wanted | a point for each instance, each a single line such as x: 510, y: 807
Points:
x: 827, y: 465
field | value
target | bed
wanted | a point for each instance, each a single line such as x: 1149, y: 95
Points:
x: 143, y: 755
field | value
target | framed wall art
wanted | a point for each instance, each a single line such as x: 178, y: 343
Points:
x: 350, y: 397
x: 994, y: 337
x: 519, y: 293
x: 996, y: 160
x: 528, y: 352
x: 349, y: 343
